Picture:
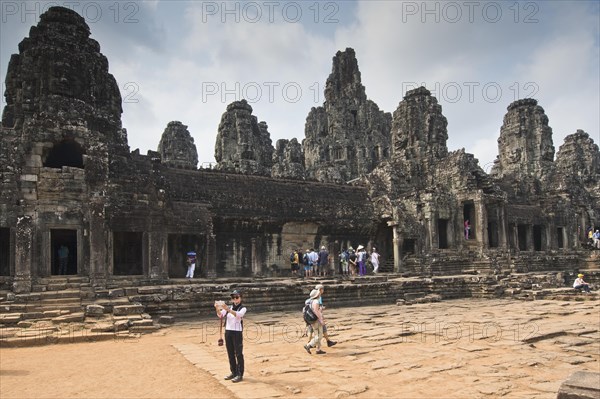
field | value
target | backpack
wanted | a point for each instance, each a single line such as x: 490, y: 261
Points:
x: 292, y: 257
x: 308, y: 314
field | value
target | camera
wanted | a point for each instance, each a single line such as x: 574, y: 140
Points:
x: 220, y: 304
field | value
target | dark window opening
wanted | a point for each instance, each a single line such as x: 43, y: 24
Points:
x: 337, y: 154
x: 522, y: 236
x: 375, y: 155
x: 442, y: 233
x: 408, y: 246
x: 538, y: 238
x: 386, y: 152
x: 560, y: 238
x: 4, y: 251
x: 64, y: 251
x: 65, y: 153
x: 179, y: 246
x: 127, y: 253
x: 493, y: 234
x: 353, y: 112
x: 350, y: 153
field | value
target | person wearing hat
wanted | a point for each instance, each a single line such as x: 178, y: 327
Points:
x: 330, y: 343
x: 352, y: 261
x: 362, y: 260
x: 191, y: 261
x: 317, y: 325
x: 579, y: 284
x: 375, y: 260
x: 323, y: 261
x: 233, y: 316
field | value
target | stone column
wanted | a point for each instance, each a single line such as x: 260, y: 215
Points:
x: 481, y: 224
x: 255, y: 262
x: 431, y: 242
x: 211, y: 256
x: 97, y: 237
x: 397, y: 245
x: 529, y: 237
x: 157, y: 255
x: 23, y: 254
x: 502, y: 228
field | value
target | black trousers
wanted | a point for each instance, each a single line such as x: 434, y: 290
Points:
x: 235, y: 350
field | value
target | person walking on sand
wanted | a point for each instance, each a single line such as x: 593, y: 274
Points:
x: 233, y: 334
x: 321, y: 289
x: 317, y: 325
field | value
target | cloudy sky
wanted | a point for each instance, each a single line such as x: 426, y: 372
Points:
x: 186, y: 60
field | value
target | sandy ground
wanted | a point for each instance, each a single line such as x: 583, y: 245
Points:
x: 452, y: 349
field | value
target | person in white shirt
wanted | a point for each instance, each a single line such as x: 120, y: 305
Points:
x: 579, y: 284
x: 375, y: 260
x: 233, y: 334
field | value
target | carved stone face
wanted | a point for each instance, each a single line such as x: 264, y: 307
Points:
x: 64, y: 79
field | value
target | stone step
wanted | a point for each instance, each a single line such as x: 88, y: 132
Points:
x: 121, y: 310
x: 60, y: 294
x: 69, y: 318
x: 62, y: 279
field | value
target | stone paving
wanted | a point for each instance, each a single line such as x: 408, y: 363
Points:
x: 452, y: 349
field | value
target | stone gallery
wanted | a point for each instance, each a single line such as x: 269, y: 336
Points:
x: 76, y: 201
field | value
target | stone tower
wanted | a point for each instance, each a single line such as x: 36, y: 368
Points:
x: 63, y: 125
x: 348, y: 136
x: 243, y: 145
x: 60, y: 78
x: 288, y: 160
x: 177, y: 148
x: 419, y: 136
x: 525, y: 144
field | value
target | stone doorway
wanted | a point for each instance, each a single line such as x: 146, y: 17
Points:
x: 63, y: 242
x: 469, y: 214
x: 4, y: 251
x: 179, y: 246
x: 128, y: 253
x: 493, y: 234
x: 539, y: 235
x: 522, y: 237
x: 560, y: 237
x: 442, y: 233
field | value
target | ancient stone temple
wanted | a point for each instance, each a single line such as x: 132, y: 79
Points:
x: 70, y: 183
x: 348, y: 136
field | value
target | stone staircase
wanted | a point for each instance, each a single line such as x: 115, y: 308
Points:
x: 68, y: 309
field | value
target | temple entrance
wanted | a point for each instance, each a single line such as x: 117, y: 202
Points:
x: 469, y: 220
x: 493, y: 234
x: 127, y: 253
x: 179, y: 246
x: 522, y: 237
x: 560, y: 238
x: 538, y: 238
x: 409, y: 246
x: 63, y: 244
x: 442, y: 233
x: 4, y: 251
